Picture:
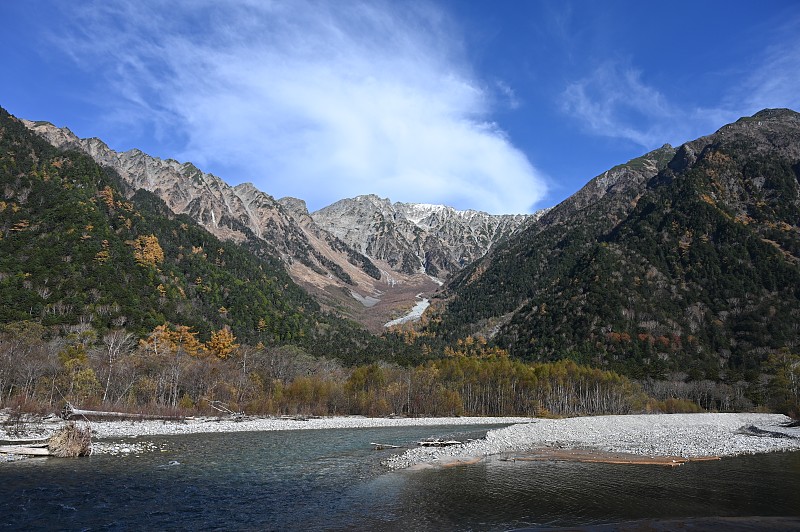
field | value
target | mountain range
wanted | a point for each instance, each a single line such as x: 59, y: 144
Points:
x: 364, y: 258
x: 684, y: 261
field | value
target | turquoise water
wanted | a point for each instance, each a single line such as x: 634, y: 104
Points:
x: 333, y: 480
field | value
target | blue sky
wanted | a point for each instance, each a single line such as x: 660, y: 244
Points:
x: 505, y: 106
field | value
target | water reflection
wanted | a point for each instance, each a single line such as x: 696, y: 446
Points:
x: 502, y: 495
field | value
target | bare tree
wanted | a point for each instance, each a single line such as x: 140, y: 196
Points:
x: 116, y: 344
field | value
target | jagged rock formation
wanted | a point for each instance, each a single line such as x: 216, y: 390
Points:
x: 681, y: 260
x: 368, y: 266
x: 233, y: 213
x: 327, y: 267
x: 412, y: 237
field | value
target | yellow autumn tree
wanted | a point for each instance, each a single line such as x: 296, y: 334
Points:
x: 171, y: 349
x: 222, y: 343
x: 147, y: 251
x: 186, y: 340
x: 107, y: 195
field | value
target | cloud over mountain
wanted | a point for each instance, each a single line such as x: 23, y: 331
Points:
x: 316, y: 100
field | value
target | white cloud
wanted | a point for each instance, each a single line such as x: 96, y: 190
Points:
x: 614, y: 102
x: 775, y: 79
x: 317, y: 100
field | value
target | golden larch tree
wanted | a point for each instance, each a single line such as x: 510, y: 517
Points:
x: 147, y: 251
x: 222, y: 343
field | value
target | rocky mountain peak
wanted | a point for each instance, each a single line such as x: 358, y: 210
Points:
x: 435, y: 239
x: 295, y: 206
x: 337, y: 275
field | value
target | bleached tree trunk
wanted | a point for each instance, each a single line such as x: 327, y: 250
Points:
x: 116, y: 343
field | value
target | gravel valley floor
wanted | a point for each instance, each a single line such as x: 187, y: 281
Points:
x: 663, y: 435
x: 655, y: 435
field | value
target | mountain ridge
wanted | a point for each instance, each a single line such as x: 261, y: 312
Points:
x: 340, y: 274
x: 83, y: 254
x: 689, y: 261
x: 434, y: 239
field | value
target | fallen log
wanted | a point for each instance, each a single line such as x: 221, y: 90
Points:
x: 294, y: 418
x: 25, y: 451
x: 32, y: 442
x: 438, y: 443
x: 70, y: 412
x: 382, y: 446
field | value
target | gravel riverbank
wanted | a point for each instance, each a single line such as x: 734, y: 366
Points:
x: 679, y: 435
x: 118, y: 429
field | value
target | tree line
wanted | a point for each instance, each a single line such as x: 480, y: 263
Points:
x: 171, y: 369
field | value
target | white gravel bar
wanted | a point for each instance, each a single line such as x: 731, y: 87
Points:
x: 119, y: 429
x: 676, y: 435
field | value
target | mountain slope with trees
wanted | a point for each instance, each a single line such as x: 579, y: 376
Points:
x: 82, y: 250
x: 109, y: 298
x: 681, y: 264
x: 683, y: 260
x: 371, y: 272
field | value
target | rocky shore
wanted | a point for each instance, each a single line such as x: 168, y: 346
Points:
x: 118, y: 429
x: 673, y: 435
x: 678, y: 435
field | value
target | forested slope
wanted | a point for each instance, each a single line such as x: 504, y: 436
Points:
x: 79, y: 249
x: 689, y: 266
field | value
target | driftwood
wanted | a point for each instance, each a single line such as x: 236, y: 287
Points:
x: 70, y: 412
x: 382, y: 446
x: 219, y: 406
x: 25, y: 450
x: 438, y: 443
x: 294, y: 418
x: 70, y: 441
x: 31, y: 442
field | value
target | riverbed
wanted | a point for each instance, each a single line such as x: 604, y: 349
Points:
x: 325, y: 474
x: 333, y: 479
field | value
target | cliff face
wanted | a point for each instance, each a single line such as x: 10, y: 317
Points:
x: 412, y: 237
x: 367, y: 259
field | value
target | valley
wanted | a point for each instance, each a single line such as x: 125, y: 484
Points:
x: 676, y: 272
x: 376, y: 250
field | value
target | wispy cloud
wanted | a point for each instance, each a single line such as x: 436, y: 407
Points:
x: 613, y: 101
x: 508, y: 93
x: 319, y: 100
x: 775, y: 78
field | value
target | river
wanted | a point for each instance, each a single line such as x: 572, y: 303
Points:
x: 334, y: 480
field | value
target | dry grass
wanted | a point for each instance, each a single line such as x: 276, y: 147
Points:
x: 71, y: 441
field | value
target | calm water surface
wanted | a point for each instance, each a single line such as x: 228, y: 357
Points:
x: 332, y: 479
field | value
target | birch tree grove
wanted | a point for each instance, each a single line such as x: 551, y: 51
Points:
x: 172, y: 369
